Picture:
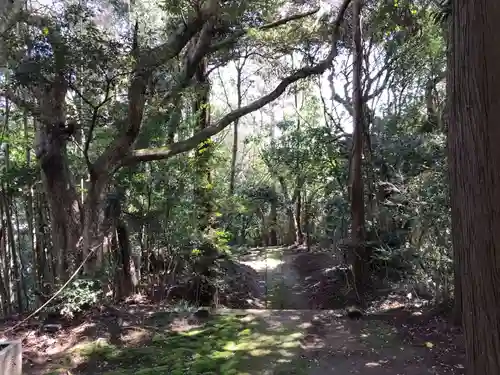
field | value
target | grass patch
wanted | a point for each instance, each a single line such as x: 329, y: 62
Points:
x: 228, y: 345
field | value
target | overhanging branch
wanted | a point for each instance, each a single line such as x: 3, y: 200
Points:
x: 203, y: 48
x: 137, y: 156
x: 179, y: 39
x: 193, y: 59
x: 238, y: 34
x: 145, y: 66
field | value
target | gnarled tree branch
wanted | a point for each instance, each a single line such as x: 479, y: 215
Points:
x: 190, y: 143
x: 145, y: 66
x: 203, y: 49
x: 229, y: 41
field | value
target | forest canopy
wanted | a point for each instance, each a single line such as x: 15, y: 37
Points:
x: 146, y: 147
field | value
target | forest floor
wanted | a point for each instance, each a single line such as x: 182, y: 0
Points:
x: 285, y: 338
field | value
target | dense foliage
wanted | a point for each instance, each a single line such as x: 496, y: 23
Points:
x: 132, y: 110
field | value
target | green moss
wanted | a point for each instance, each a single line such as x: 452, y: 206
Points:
x: 96, y: 349
x: 225, y: 346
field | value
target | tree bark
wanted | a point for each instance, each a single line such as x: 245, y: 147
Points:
x: 299, y: 235
x: 127, y: 280
x: 4, y: 281
x: 273, y: 219
x: 8, y: 204
x: 15, y: 259
x: 474, y: 164
x: 360, y: 261
x: 291, y: 234
x: 203, y: 187
x: 234, y: 151
x: 457, y: 284
x: 62, y: 198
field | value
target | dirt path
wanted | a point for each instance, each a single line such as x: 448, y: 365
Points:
x: 287, y: 338
x: 328, y: 344
x: 279, y: 281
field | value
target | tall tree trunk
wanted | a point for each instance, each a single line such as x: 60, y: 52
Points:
x: 291, y: 235
x: 264, y: 230
x: 4, y: 282
x: 368, y: 116
x: 29, y: 212
x: 203, y: 268
x: 43, y: 243
x: 4, y: 272
x: 21, y: 284
x: 474, y: 136
x: 292, y: 231
x: 51, y: 142
x: 7, y: 204
x: 234, y: 151
x: 307, y: 220
x: 14, y: 255
x: 299, y: 235
x: 273, y: 218
x: 299, y: 179
x: 457, y: 262
x: 203, y: 188
x: 360, y: 264
x: 127, y: 280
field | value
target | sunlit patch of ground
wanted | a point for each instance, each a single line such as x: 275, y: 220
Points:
x: 288, y: 340
x: 230, y: 344
x: 263, y: 260
x: 263, y: 264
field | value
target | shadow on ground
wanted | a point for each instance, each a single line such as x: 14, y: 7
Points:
x: 287, y: 338
x: 229, y: 343
x: 301, y: 342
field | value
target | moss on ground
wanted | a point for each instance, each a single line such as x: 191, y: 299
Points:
x: 227, y: 345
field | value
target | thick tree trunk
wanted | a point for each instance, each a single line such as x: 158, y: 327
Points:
x: 457, y: 285
x: 64, y: 212
x: 127, y: 280
x: 69, y: 222
x: 94, y: 229
x: 204, y: 191
x: 474, y: 163
x: 203, y: 188
x: 61, y: 195
x: 360, y: 258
